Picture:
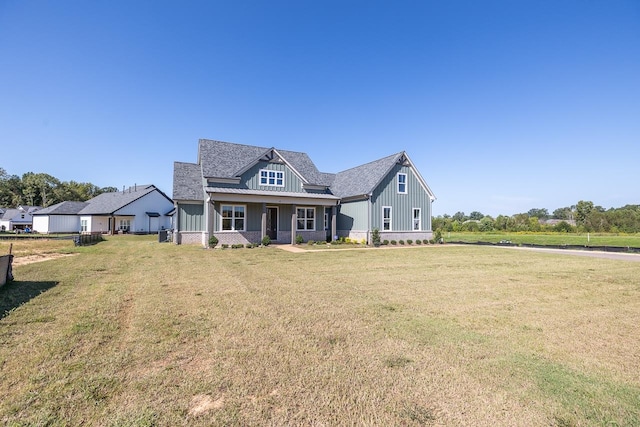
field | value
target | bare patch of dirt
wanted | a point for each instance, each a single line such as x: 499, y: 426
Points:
x: 203, y: 403
x: 30, y: 259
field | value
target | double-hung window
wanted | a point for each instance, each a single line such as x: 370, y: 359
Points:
x: 417, y: 226
x: 124, y: 224
x: 306, y: 218
x: 386, y: 218
x: 402, y: 183
x: 272, y: 178
x: 233, y: 218
x: 83, y: 225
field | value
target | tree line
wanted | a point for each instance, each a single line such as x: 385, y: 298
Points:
x: 584, y: 216
x: 41, y: 189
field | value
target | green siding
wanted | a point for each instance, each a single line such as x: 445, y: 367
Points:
x: 353, y: 215
x: 191, y: 217
x: 251, y: 178
x: 402, y: 204
x: 253, y: 215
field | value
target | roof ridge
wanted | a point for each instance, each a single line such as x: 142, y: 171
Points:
x: 371, y: 162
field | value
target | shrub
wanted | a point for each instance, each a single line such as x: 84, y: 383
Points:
x: 409, y: 242
x: 213, y: 241
x: 266, y: 241
x: 225, y: 245
x: 385, y: 242
x: 375, y: 237
x: 299, y: 239
x: 237, y: 246
x: 393, y: 242
x: 425, y: 241
x: 418, y: 241
x: 311, y: 242
x: 334, y: 242
x: 401, y: 241
x: 248, y: 246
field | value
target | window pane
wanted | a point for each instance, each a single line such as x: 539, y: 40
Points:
x: 311, y: 213
x: 239, y: 211
x: 226, y: 224
x: 300, y: 224
x: 310, y: 224
x: 227, y: 211
x: 300, y: 213
x: 239, y: 224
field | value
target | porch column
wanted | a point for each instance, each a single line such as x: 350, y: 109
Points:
x: 334, y: 226
x: 294, y: 223
x: 263, y: 227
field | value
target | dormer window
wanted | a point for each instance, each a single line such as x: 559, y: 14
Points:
x: 272, y: 178
x: 402, y: 183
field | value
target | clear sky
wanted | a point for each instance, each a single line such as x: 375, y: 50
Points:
x: 503, y: 106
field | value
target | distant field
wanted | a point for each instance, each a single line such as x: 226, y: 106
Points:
x: 131, y: 332
x: 592, y: 239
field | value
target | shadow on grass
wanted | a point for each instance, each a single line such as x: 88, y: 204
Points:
x: 16, y: 293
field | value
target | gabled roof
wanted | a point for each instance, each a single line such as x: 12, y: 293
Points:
x: 363, y: 179
x: 62, y: 208
x: 228, y: 160
x: 13, y: 214
x: 108, y: 203
x: 187, y: 181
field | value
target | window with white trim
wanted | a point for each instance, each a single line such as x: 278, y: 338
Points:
x: 386, y: 218
x: 417, y: 219
x: 233, y: 217
x: 402, y: 183
x: 306, y: 218
x: 83, y: 225
x: 124, y: 224
x: 272, y: 178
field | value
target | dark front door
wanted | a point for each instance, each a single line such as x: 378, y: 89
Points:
x: 272, y: 223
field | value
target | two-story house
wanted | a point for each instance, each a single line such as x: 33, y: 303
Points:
x: 241, y: 193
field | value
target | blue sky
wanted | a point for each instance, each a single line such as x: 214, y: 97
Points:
x: 503, y: 106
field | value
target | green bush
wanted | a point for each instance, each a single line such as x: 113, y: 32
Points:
x: 299, y: 239
x: 225, y: 245
x: 385, y: 242
x: 393, y: 242
x: 418, y: 242
x: 375, y: 237
x: 266, y: 241
x: 409, y: 242
x: 401, y: 241
x: 248, y: 245
x: 311, y: 242
x: 213, y: 241
x: 425, y: 241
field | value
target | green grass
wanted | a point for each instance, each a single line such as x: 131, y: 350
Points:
x: 131, y: 332
x: 584, y: 239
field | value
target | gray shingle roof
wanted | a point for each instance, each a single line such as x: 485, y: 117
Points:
x: 108, y: 203
x: 63, y: 208
x: 363, y: 179
x: 187, y: 181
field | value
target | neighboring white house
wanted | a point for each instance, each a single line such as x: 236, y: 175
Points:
x: 138, y: 209
x: 17, y: 218
x: 59, y: 218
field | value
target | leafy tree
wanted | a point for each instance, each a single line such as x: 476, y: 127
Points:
x: 475, y: 215
x: 583, y: 209
x: 459, y: 216
x: 538, y: 213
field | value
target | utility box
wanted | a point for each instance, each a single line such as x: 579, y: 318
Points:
x: 6, y: 275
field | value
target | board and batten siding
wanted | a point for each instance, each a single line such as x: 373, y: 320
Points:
x: 191, y: 217
x: 402, y: 204
x: 353, y: 216
x: 251, y: 178
x: 56, y: 223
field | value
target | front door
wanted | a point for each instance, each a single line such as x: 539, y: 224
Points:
x: 272, y: 223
